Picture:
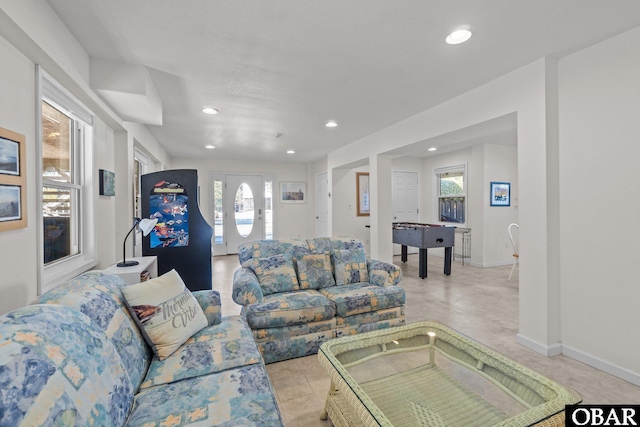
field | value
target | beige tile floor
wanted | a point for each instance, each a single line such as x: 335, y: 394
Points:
x: 478, y: 302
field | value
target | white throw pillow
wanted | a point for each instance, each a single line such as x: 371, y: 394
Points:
x: 166, y: 312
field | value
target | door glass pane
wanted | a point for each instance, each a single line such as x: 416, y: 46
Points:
x: 56, y: 145
x: 60, y: 237
x: 218, y: 229
x: 244, y: 210
x: 268, y: 210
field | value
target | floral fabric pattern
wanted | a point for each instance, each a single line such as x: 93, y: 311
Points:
x: 287, y: 309
x: 241, y: 396
x: 246, y: 289
x: 350, y: 266
x: 211, y: 305
x: 359, y: 298
x: 370, y: 317
x: 294, y: 331
x: 57, y: 355
x: 383, y: 273
x: 368, y: 327
x: 329, y: 244
x: 224, y: 346
x: 315, y: 271
x: 99, y: 296
x: 292, y: 324
x: 275, y: 274
x: 288, y: 348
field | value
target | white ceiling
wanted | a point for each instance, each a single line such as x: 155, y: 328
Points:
x: 289, y: 66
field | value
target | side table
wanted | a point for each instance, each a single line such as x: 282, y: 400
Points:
x: 131, y: 275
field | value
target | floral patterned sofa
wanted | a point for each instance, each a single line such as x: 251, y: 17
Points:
x: 77, y: 358
x: 297, y: 294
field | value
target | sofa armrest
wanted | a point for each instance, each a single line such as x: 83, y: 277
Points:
x: 246, y: 288
x: 383, y: 274
x: 211, y: 305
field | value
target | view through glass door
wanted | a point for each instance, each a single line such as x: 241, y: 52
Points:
x: 242, y: 210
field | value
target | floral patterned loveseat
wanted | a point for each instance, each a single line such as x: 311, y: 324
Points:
x: 297, y: 294
x: 77, y: 358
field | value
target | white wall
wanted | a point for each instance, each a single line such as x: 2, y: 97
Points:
x: 346, y: 222
x: 105, y: 205
x: 490, y: 245
x: 18, y: 285
x: 599, y: 101
x: 30, y: 34
x: 524, y: 92
x: 500, y: 165
x: 291, y: 221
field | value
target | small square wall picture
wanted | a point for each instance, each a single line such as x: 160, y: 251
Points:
x: 107, y: 183
x: 500, y: 194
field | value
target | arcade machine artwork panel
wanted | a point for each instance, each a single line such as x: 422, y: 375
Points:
x: 169, y: 203
x: 182, y: 237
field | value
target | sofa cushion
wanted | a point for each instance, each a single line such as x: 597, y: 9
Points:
x: 329, y: 244
x: 290, y: 308
x: 350, y: 266
x: 57, y: 367
x: 224, y: 346
x: 315, y: 271
x: 275, y: 273
x: 166, y: 312
x: 98, y: 295
x: 235, y: 397
x: 266, y: 248
x: 358, y: 298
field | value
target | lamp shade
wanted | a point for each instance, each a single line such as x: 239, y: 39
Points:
x: 146, y: 225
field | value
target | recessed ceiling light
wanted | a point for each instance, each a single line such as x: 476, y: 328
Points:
x: 210, y: 147
x: 291, y: 152
x: 432, y: 149
x: 209, y: 110
x: 331, y: 124
x: 459, y: 36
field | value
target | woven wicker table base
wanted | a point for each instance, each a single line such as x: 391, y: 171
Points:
x: 446, y: 379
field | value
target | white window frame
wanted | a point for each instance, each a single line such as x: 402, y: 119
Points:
x: 455, y: 168
x: 52, y: 275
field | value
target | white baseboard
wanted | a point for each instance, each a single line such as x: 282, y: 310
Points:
x: 603, y: 365
x: 545, y: 350
x: 581, y: 356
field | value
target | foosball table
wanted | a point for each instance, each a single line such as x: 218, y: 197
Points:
x: 424, y: 236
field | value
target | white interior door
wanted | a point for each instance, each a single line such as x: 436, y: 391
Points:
x: 244, y: 210
x: 322, y: 205
x: 406, y: 201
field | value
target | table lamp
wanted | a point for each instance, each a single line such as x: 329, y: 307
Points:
x: 145, y: 226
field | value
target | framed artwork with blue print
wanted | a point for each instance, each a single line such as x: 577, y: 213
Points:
x: 107, y: 183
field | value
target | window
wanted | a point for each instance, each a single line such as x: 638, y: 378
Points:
x: 66, y: 158
x: 451, y: 192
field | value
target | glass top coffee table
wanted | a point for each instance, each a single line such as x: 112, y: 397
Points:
x: 426, y: 374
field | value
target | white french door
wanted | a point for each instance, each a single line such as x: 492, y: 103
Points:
x: 406, y: 201
x: 244, y: 210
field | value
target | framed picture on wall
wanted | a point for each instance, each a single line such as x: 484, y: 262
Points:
x: 293, y: 192
x: 13, y: 181
x: 362, y: 194
x: 500, y: 194
x: 107, y: 185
